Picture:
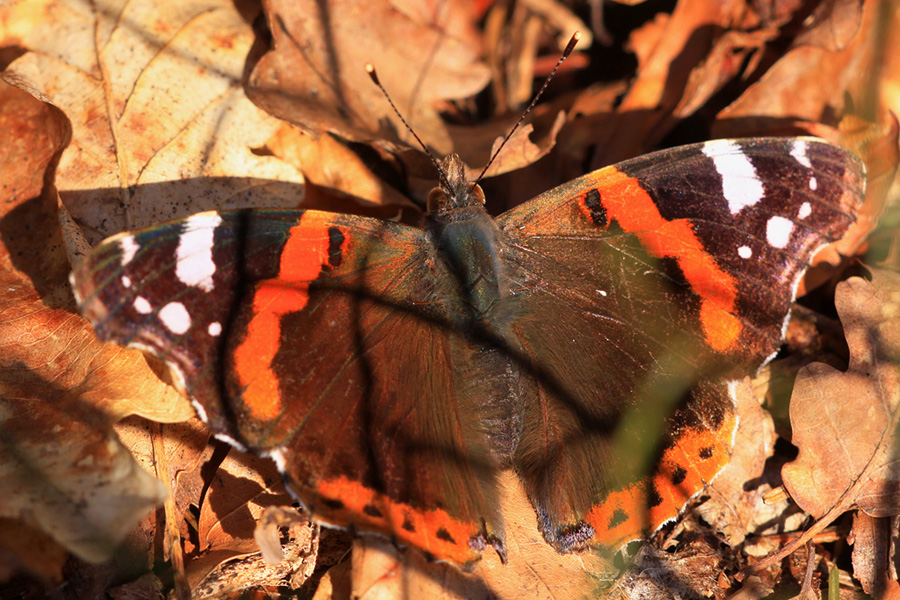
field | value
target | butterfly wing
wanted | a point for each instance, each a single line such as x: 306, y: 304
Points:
x: 378, y: 430
x: 640, y: 290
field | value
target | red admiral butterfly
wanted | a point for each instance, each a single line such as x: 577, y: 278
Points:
x: 393, y: 371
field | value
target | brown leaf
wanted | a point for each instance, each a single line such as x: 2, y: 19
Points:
x: 848, y: 450
x: 774, y: 97
x: 871, y: 552
x: 64, y: 470
x: 732, y: 509
x: 314, y: 76
x: 242, y: 487
x: 520, y: 151
x: 161, y: 127
x: 832, y: 25
x: 666, y: 48
x: 329, y: 163
x: 79, y: 484
x: 23, y: 548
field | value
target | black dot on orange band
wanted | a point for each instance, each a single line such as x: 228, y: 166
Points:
x: 443, y: 534
x: 372, y: 511
x: 653, y: 497
x: 678, y: 475
x: 706, y: 453
x: 594, y: 205
x: 619, y: 516
x: 333, y: 503
x: 335, y: 246
x: 408, y: 524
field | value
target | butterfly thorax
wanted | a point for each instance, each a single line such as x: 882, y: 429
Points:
x: 467, y: 240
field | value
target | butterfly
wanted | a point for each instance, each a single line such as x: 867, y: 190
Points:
x: 392, y: 372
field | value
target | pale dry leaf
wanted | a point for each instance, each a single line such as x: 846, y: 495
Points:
x: 64, y: 471
x: 848, y: 450
x: 520, y: 151
x: 329, y: 163
x: 804, y: 67
x: 161, y: 126
x: 272, y: 519
x: 234, y: 578
x: 242, y: 487
x: 75, y: 480
x: 731, y: 509
x: 315, y: 77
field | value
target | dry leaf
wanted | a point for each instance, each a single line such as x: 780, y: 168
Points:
x: 242, y: 487
x: 871, y: 538
x: 329, y: 163
x: 161, y: 127
x: 732, y: 509
x: 29, y: 550
x: 64, y: 471
x: 315, y: 77
x: 775, y: 96
x: 848, y: 450
x: 152, y: 96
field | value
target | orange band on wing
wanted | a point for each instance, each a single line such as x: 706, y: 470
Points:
x: 433, y: 531
x: 627, y: 515
x: 626, y: 202
x: 302, y: 257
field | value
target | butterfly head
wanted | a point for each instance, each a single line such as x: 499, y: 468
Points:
x: 455, y: 191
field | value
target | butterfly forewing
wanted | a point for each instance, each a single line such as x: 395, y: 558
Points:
x: 675, y: 272
x: 314, y: 338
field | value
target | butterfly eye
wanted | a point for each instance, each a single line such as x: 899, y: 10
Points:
x: 476, y: 193
x: 437, y: 200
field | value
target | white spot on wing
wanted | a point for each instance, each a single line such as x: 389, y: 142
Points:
x: 805, y: 210
x: 740, y: 184
x: 214, y: 329
x: 778, y: 231
x: 195, y: 266
x: 142, y: 306
x: 201, y: 412
x: 745, y: 252
x: 129, y: 247
x: 280, y: 459
x: 798, y: 151
x: 175, y: 317
x: 230, y: 440
x: 126, y: 281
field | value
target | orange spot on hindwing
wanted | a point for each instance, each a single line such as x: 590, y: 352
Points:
x: 346, y: 503
x: 627, y: 203
x: 307, y: 250
x: 685, y: 468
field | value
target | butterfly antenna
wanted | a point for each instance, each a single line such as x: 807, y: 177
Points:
x: 370, y: 69
x: 569, y: 48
